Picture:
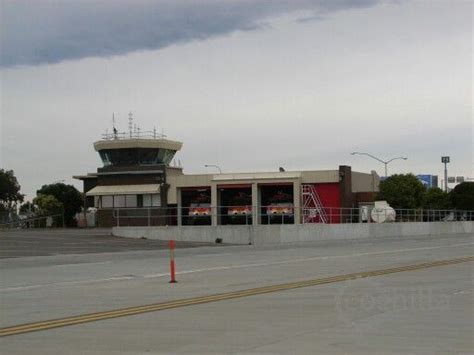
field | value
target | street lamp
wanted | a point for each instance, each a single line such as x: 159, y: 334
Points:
x: 385, y: 162
x: 445, y: 160
x: 214, y: 166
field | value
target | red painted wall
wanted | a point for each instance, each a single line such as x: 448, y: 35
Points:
x: 329, y: 196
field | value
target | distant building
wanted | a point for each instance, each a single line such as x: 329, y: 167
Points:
x: 429, y: 181
x: 138, y: 186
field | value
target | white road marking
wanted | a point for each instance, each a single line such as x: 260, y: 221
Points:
x: 83, y: 264
x: 67, y: 283
x: 218, y: 268
x: 226, y: 267
x: 213, y: 254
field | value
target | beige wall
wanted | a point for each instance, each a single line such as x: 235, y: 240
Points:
x: 362, y: 182
x: 320, y: 176
x: 176, y: 180
x: 172, y: 174
x: 225, y: 178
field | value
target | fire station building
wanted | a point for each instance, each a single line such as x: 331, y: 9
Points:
x: 137, y: 185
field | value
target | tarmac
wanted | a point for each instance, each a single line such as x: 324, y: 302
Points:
x: 43, y: 242
x: 333, y: 297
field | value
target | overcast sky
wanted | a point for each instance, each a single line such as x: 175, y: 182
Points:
x: 249, y: 85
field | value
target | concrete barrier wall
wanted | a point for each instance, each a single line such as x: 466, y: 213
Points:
x: 228, y: 234
x: 268, y: 234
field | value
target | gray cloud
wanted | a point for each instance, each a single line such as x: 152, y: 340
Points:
x: 47, y: 31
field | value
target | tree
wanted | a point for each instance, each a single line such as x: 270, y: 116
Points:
x: 69, y: 196
x: 402, y: 191
x: 27, y: 207
x: 462, y: 196
x: 9, y: 190
x: 48, y: 205
x: 436, y: 199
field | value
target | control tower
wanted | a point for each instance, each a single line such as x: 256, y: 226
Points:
x: 135, y: 148
x: 135, y: 166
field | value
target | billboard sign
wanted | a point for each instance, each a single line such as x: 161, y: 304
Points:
x: 426, y: 180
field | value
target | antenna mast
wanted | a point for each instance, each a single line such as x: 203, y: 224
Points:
x: 130, y: 123
x: 113, y: 125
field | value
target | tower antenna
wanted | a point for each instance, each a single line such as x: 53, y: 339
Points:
x: 113, y: 125
x: 130, y: 123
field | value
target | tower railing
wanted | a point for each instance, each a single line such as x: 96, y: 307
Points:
x: 136, y: 134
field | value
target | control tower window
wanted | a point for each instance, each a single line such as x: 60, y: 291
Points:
x: 134, y: 156
x: 166, y: 155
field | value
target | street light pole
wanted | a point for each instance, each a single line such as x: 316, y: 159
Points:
x: 214, y: 166
x: 385, y: 162
x: 445, y: 160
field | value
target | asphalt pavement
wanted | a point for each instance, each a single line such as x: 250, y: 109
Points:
x: 42, y: 242
x: 411, y: 309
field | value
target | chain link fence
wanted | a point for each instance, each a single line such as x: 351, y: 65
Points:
x: 266, y: 215
x: 24, y: 222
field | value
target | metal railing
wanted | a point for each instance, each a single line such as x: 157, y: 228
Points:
x: 136, y: 134
x: 266, y: 215
x: 50, y: 221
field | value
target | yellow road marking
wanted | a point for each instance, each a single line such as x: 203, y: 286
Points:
x: 93, y: 317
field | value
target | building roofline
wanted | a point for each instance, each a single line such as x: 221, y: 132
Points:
x: 137, y: 143
x: 84, y: 177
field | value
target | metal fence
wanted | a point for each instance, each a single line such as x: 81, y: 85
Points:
x: 51, y: 221
x: 245, y: 215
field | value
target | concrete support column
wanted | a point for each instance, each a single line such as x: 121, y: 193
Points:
x: 255, y: 204
x: 163, y: 212
x: 297, y: 201
x: 346, y: 197
x: 214, y: 204
x: 179, y: 203
x: 345, y: 186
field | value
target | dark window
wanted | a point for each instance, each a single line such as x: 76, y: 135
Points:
x: 134, y: 156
